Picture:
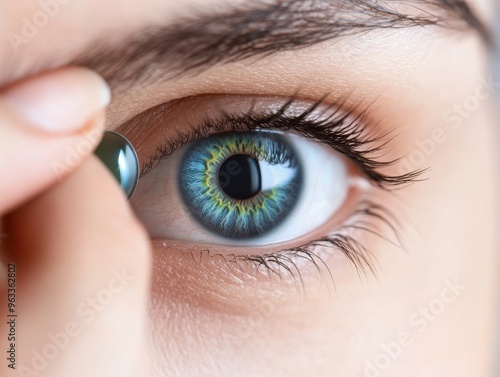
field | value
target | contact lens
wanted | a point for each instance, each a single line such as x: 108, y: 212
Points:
x: 117, y: 153
x: 241, y: 185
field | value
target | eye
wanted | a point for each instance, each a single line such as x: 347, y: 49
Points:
x: 252, y: 174
x: 254, y: 188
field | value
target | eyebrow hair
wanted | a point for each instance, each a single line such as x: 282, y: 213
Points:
x: 206, y: 40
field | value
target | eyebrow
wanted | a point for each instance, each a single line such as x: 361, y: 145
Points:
x: 205, y: 40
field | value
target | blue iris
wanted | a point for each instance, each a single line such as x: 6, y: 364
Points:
x: 240, y: 185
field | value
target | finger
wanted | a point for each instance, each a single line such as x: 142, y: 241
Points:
x: 48, y: 124
x: 83, y: 266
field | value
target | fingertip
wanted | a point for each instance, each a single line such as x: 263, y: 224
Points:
x: 50, y: 124
x: 58, y: 102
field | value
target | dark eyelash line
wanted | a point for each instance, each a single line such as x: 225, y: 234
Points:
x: 348, y: 137
x: 337, y: 131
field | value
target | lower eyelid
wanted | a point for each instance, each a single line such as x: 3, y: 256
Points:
x: 201, y: 277
x: 325, y: 267
x: 192, y: 276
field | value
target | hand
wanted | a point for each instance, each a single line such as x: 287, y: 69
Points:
x: 80, y: 256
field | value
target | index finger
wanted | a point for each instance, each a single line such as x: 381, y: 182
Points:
x: 48, y: 124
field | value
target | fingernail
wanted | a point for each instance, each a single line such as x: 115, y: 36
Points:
x: 59, y: 102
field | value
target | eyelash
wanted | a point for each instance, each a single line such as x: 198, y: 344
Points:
x: 348, y: 137
x: 384, y: 224
x: 357, y: 254
x: 344, y: 133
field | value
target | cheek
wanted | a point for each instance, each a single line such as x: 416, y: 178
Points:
x: 198, y: 314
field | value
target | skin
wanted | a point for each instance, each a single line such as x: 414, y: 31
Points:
x: 181, y: 317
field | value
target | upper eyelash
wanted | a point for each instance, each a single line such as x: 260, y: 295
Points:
x: 338, y: 131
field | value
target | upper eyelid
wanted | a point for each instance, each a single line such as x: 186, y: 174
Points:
x: 341, y: 130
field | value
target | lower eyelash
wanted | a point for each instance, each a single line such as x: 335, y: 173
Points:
x: 342, y: 240
x: 369, y: 217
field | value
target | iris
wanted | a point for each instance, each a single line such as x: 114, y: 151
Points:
x: 241, y: 185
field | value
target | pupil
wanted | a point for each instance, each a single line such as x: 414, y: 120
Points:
x: 240, y: 177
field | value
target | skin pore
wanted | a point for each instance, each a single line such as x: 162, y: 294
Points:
x: 427, y: 306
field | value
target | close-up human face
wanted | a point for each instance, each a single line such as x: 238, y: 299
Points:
x: 319, y: 183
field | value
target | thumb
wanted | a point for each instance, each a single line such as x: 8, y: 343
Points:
x: 82, y: 265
